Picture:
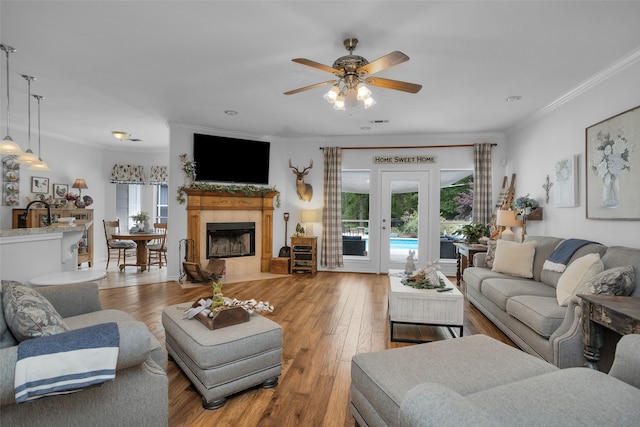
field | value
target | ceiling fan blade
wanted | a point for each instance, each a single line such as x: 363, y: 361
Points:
x: 384, y: 62
x: 317, y: 65
x: 302, y: 89
x: 393, y: 84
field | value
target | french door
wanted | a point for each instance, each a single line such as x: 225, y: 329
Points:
x: 403, y: 218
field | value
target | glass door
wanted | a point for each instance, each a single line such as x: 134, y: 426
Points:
x: 403, y: 203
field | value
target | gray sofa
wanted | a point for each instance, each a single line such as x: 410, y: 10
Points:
x: 137, y: 397
x: 477, y: 380
x: 527, y: 310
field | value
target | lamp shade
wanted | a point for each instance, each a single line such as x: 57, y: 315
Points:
x: 80, y: 184
x: 507, y: 219
x: 309, y: 216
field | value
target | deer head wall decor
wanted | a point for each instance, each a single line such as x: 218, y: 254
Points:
x: 305, y: 191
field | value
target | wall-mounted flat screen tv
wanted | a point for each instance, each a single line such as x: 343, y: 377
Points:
x: 232, y: 160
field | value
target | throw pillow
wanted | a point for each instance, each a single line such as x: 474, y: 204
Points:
x: 514, y: 258
x: 28, y: 314
x: 491, y: 253
x: 579, y: 271
x: 619, y: 281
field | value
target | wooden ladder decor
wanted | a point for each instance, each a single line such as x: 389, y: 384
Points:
x: 504, y: 203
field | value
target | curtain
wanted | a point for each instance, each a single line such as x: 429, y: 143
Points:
x: 482, y: 209
x: 127, y: 174
x: 331, y: 255
x: 159, y: 175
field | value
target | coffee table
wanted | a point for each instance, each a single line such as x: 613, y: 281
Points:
x: 410, y: 306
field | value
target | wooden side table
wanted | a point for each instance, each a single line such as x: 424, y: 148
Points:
x: 464, y: 256
x: 619, y: 314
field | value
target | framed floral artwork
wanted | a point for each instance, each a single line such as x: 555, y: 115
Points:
x: 565, y: 188
x: 613, y: 167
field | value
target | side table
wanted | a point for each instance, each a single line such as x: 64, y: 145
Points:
x: 619, y: 314
x: 465, y: 253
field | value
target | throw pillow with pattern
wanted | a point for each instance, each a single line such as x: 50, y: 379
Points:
x: 28, y: 314
x: 491, y: 253
x: 618, y: 281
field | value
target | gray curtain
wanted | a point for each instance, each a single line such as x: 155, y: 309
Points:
x: 331, y: 255
x: 482, y: 203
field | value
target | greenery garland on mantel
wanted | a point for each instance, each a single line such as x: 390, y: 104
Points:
x: 188, y: 167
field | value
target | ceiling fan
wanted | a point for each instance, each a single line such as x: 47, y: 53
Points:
x: 354, y: 72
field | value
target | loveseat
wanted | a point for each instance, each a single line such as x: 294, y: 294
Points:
x: 138, y: 396
x: 529, y: 310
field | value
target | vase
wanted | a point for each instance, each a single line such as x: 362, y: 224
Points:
x: 610, y: 191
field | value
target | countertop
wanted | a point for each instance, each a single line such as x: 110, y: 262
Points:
x: 79, y: 225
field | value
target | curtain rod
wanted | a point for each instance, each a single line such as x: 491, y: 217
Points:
x: 386, y: 147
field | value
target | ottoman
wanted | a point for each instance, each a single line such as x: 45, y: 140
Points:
x: 224, y: 361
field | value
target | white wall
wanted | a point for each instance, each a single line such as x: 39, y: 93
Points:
x: 534, y: 149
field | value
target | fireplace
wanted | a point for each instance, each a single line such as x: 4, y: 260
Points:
x: 231, y: 239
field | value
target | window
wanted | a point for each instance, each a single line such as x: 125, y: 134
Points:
x: 127, y: 203
x: 162, y: 204
x: 355, y: 212
x: 456, y: 203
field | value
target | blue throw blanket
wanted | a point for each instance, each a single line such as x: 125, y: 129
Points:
x: 561, y: 255
x: 66, y: 362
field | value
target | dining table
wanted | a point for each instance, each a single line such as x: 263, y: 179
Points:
x: 141, y: 240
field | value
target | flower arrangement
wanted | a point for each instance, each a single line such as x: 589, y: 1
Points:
x: 141, y: 217
x: 524, y: 202
x: 611, y: 154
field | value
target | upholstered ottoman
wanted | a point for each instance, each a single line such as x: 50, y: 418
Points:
x: 224, y: 361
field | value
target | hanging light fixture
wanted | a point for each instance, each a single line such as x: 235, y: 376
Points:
x: 8, y: 145
x: 39, y: 165
x: 348, y: 91
x: 28, y: 157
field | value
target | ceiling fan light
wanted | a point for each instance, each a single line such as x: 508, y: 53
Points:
x: 27, y: 157
x: 332, y: 94
x: 363, y: 92
x: 369, y: 102
x: 339, y: 104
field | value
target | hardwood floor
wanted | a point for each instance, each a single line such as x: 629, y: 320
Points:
x: 326, y: 319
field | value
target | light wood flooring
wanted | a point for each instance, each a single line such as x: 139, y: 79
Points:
x: 326, y: 319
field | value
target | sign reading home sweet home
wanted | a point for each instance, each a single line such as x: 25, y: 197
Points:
x: 412, y: 159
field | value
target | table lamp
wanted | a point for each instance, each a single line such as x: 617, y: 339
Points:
x: 79, y: 184
x: 308, y: 217
x: 507, y: 219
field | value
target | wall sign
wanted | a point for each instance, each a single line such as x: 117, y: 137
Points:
x: 411, y: 159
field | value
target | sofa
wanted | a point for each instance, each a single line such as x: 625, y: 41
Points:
x: 529, y: 309
x: 137, y: 396
x: 480, y: 381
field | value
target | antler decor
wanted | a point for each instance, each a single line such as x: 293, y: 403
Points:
x: 305, y: 191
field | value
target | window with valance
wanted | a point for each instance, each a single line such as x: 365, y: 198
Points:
x: 127, y: 174
x: 159, y: 175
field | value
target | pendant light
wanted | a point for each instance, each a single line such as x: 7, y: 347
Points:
x: 40, y: 165
x: 28, y: 157
x: 8, y: 145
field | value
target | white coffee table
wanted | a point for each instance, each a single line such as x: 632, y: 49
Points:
x: 411, y: 306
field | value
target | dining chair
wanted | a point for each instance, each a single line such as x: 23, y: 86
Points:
x: 115, y: 244
x: 157, y: 248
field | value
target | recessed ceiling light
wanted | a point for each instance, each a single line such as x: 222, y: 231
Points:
x: 120, y: 134
x: 230, y: 112
x: 513, y: 98
x: 365, y: 128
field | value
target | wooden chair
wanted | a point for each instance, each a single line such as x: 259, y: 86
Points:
x: 158, y: 247
x: 116, y: 245
x: 206, y: 275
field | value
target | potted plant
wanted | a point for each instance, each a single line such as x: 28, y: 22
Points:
x: 142, y: 221
x: 473, y: 231
x: 525, y: 204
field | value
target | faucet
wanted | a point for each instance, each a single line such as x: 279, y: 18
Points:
x: 25, y: 215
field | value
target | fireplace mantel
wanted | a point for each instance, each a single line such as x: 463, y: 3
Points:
x: 202, y: 201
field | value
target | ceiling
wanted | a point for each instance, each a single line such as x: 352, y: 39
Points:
x: 137, y: 66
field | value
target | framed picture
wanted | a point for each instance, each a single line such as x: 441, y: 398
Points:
x: 39, y: 185
x: 613, y: 167
x: 565, y: 189
x: 60, y: 190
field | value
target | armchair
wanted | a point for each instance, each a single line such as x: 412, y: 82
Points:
x: 137, y: 396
